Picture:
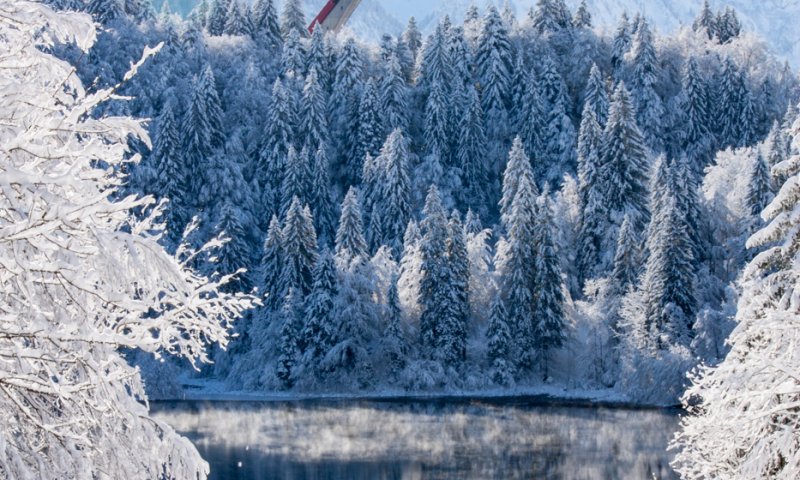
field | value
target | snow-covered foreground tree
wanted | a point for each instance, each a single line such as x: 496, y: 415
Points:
x: 746, y: 410
x: 80, y: 278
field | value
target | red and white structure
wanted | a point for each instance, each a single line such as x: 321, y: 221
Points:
x: 334, y: 15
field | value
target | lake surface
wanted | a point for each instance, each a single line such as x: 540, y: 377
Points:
x: 425, y: 439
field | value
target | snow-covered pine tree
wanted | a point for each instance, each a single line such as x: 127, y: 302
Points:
x: 217, y: 16
x: 391, y: 206
x: 705, y: 21
x: 350, y: 241
x: 272, y: 266
x: 235, y: 21
x: 105, y: 11
x: 324, y: 209
x: 299, y: 248
x: 412, y: 37
x: 549, y: 320
x: 266, y: 29
x: 394, y: 106
x: 289, y: 340
x: 582, y: 18
x: 313, y: 113
x: 278, y: 139
x: 293, y: 19
x: 235, y: 254
x: 293, y: 58
x: 438, y: 121
x: 668, y: 282
x: 518, y: 167
x: 318, y: 334
x: 297, y: 180
x: 434, y: 63
x: 533, y: 117
x: 168, y: 173
x: 559, y: 154
x: 202, y: 129
x: 550, y: 16
x: 452, y: 338
x: 698, y: 140
x: 433, y: 294
x: 518, y: 275
x: 646, y: 100
x: 748, y: 399
x: 344, y: 103
x: 318, y: 58
x: 621, y: 45
x: 759, y: 188
x: 499, y: 343
x: 594, y: 213
x: 408, y: 283
x: 494, y: 62
x: 596, y: 96
x: 394, y: 343
x: 624, y: 165
x: 369, y: 135
x: 627, y: 259
x: 471, y: 155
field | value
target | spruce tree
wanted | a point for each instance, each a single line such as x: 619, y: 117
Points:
x: 705, y: 21
x: 624, y: 167
x: 217, y: 16
x: 344, y: 111
x: 471, y: 154
x: 627, y: 259
x: 313, y: 113
x: 317, y: 58
x: 394, y: 343
x: 437, y: 121
x: 582, y: 18
x: 594, y: 214
x: 518, y: 276
x: 235, y: 254
x: 452, y: 341
x: 668, y: 284
x: 646, y: 100
x: 319, y: 332
x: 350, y: 241
x: 299, y: 247
x: 288, y: 344
x: 297, y: 179
x: 105, y: 11
x: 494, y: 57
x: 394, y: 93
x: 235, y: 21
x: 391, y: 207
x: 265, y: 24
x: 596, y: 96
x: 324, y: 210
x: 433, y: 298
x: 278, y: 139
x: 759, y: 188
x: 499, y: 341
x: 517, y: 168
x: 202, y: 128
x: 434, y: 63
x: 532, y: 129
x: 293, y: 19
x: 412, y: 37
x: 549, y: 321
x: 698, y: 140
x: 169, y: 176
x: 621, y: 46
x: 272, y: 265
x: 293, y: 57
x: 370, y: 132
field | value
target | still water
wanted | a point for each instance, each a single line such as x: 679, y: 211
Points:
x: 419, y: 439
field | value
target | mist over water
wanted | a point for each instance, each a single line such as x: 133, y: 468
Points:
x: 424, y: 440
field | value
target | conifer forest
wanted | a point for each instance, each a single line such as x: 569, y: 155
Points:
x: 514, y: 201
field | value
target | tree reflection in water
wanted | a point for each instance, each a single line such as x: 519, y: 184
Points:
x: 424, y: 439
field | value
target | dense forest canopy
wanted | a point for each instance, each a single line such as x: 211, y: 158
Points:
x: 508, y: 201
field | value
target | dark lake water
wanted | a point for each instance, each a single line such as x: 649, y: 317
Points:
x: 421, y: 439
